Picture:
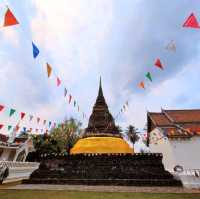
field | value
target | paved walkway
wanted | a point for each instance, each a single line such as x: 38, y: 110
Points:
x: 101, y: 188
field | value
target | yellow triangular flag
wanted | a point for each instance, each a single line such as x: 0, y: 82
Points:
x: 49, y: 70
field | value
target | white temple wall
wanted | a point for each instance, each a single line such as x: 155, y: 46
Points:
x: 186, y: 152
x: 183, y: 152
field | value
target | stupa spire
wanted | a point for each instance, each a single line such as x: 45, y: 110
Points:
x: 101, y: 121
x: 100, y: 98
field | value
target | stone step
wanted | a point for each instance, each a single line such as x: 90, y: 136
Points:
x: 121, y: 182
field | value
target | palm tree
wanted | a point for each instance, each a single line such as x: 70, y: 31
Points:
x: 131, y: 132
x: 119, y: 129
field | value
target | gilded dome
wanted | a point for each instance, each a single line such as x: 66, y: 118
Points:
x: 100, y: 145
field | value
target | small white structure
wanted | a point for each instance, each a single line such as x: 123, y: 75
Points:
x: 15, y: 151
x: 176, y: 134
x: 12, y: 159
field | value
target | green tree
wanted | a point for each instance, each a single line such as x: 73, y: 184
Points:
x: 131, y: 132
x: 60, y: 139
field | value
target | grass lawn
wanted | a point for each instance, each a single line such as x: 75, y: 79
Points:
x: 30, y: 194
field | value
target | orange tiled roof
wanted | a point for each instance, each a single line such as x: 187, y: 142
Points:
x: 177, y: 123
x: 184, y: 116
x: 160, y: 119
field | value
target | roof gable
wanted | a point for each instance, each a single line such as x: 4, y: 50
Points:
x: 177, y: 123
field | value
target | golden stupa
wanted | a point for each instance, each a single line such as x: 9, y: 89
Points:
x: 101, y: 136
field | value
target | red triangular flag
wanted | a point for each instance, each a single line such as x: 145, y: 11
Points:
x: 58, y: 82
x: 191, y: 22
x: 141, y: 85
x: 22, y: 115
x: 158, y: 64
x: 1, y: 126
x: 9, y: 19
x: 1, y: 107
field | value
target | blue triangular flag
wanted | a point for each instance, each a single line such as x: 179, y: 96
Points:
x: 35, y: 50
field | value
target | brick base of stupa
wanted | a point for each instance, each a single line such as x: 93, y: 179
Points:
x: 104, y: 169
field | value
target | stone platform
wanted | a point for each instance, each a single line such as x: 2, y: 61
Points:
x: 104, y: 169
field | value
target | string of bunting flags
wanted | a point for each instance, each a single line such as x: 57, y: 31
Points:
x: 123, y: 109
x: 190, y: 22
x: 17, y: 127
x: 11, y: 20
x: 148, y: 75
x: 22, y: 115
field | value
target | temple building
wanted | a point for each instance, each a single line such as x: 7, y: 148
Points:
x: 101, y: 136
x: 176, y: 134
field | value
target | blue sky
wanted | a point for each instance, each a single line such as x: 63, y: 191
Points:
x: 82, y: 40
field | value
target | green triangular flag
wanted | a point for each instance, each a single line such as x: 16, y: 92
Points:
x: 148, y: 75
x: 9, y: 127
x: 12, y: 111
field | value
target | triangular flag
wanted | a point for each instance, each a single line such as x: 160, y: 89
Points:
x: 49, y: 70
x: 58, y: 82
x: 78, y: 108
x: 49, y: 123
x: 1, y: 107
x: 191, y: 22
x: 12, y: 111
x: 9, y: 19
x: 9, y: 127
x: 171, y: 46
x: 36, y: 130
x: 70, y: 99
x: 124, y: 107
x: 31, y: 117
x: 35, y: 50
x: 38, y: 120
x: 22, y: 115
x: 126, y: 103
x: 74, y: 103
x: 1, y: 126
x: 65, y: 92
x: 141, y: 85
x: 17, y: 128
x: 158, y: 64
x: 148, y: 75
x: 54, y: 125
x: 24, y: 129
x: 44, y: 122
